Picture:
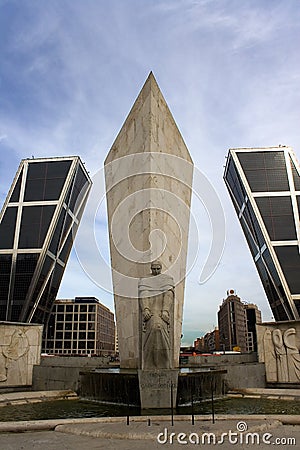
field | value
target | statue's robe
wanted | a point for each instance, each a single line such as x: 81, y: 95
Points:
x: 156, y: 298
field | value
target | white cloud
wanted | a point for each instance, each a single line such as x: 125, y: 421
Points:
x: 229, y: 71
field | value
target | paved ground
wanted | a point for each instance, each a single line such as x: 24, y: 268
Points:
x: 272, y: 394
x: 19, y: 398
x: 50, y: 440
x: 227, y: 432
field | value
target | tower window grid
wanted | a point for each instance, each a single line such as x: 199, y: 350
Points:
x: 81, y: 329
x: 264, y: 184
x: 38, y: 222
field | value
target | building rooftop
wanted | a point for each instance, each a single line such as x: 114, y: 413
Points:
x: 82, y: 300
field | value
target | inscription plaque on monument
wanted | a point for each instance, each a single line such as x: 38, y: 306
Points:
x: 157, y: 387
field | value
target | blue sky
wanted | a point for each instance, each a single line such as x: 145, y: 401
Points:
x: 229, y: 70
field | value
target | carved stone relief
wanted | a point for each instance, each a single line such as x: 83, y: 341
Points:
x: 20, y: 349
x: 281, y: 355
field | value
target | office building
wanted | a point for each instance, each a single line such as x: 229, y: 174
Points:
x: 80, y: 326
x: 208, y: 343
x: 253, y: 317
x: 38, y: 223
x: 232, y: 323
x: 212, y: 341
x: 237, y: 324
x: 199, y: 344
x: 264, y: 185
x: 116, y: 342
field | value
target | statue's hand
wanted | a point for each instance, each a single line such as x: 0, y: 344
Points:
x: 165, y: 316
x: 147, y: 314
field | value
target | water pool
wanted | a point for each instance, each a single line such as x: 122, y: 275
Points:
x: 67, y: 409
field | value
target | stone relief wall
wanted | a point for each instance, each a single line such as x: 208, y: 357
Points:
x: 20, y: 350
x: 278, y: 348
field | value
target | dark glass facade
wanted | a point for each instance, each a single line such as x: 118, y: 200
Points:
x: 264, y: 186
x: 38, y: 223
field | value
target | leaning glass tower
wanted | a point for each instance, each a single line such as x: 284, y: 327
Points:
x: 264, y: 185
x: 38, y: 223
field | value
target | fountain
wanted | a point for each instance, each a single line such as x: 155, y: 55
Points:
x: 120, y: 386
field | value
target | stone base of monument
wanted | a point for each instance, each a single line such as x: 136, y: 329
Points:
x: 158, y: 388
x: 151, y: 389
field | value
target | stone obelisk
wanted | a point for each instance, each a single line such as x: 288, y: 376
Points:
x: 148, y: 173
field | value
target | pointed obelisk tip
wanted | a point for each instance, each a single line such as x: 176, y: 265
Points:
x: 151, y: 76
x: 151, y: 81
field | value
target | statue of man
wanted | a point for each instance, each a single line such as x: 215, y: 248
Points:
x: 156, y: 300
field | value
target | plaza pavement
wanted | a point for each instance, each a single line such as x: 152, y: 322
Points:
x: 228, y: 432
x: 152, y: 432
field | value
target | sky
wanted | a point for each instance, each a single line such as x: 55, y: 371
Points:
x: 229, y: 70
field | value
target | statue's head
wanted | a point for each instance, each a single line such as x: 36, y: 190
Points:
x: 156, y: 267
